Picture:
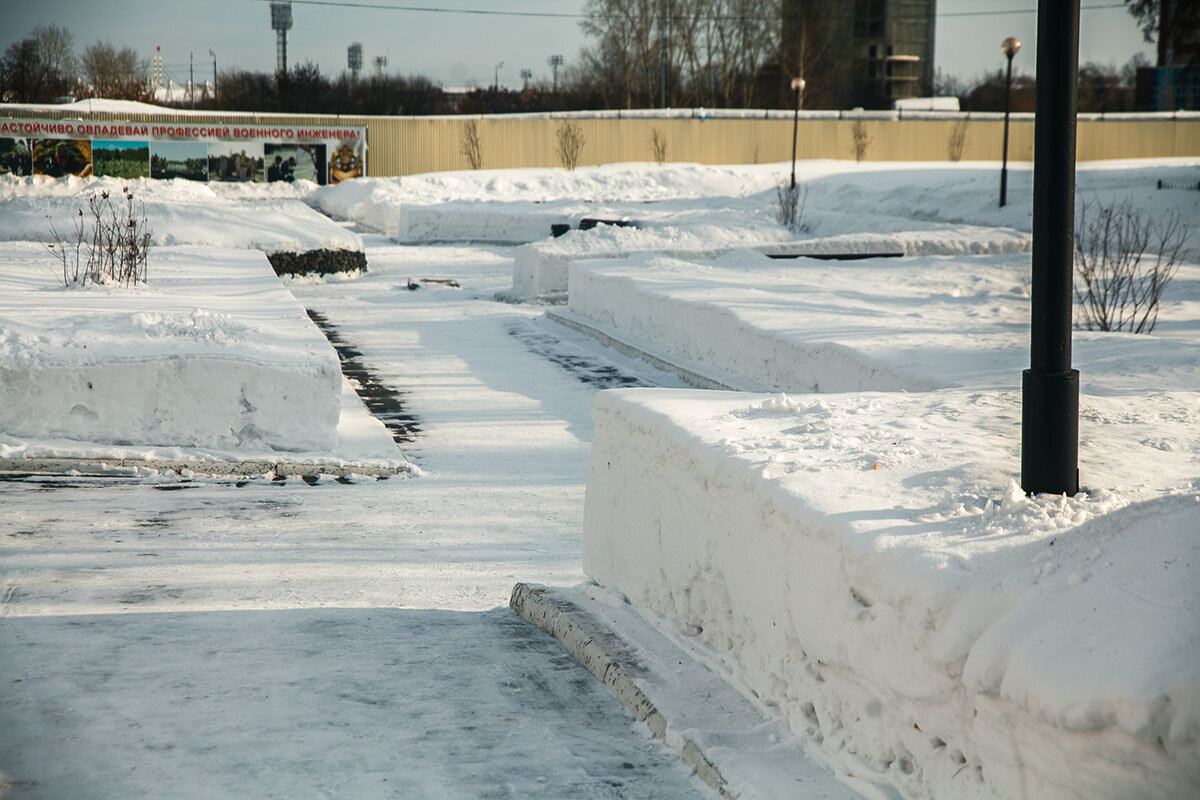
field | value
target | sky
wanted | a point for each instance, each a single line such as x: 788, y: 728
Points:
x: 462, y: 49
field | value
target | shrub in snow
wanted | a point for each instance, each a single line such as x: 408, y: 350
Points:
x: 957, y: 140
x: 469, y: 145
x: 108, y: 245
x: 569, y: 136
x: 789, y: 204
x: 1123, y: 261
x: 860, y: 141
x: 658, y: 144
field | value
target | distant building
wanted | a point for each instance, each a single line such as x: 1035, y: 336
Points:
x: 1174, y: 83
x: 866, y: 53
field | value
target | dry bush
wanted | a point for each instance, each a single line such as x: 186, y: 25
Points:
x: 469, y: 144
x: 957, y: 140
x: 789, y: 204
x: 569, y: 136
x: 1123, y: 261
x: 860, y: 141
x: 109, y: 245
x: 658, y: 144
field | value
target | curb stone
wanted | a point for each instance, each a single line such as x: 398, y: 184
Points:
x: 610, y: 659
x: 134, y: 466
x: 685, y: 374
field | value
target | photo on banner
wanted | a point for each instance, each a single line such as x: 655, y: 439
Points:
x: 179, y: 160
x: 57, y: 158
x: 293, y: 162
x: 121, y: 159
x: 235, y: 161
x: 15, y: 157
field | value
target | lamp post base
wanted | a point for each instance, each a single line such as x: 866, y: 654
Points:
x: 1050, y: 432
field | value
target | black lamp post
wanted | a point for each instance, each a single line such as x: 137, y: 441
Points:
x: 1050, y: 388
x: 798, y: 87
x: 1009, y: 47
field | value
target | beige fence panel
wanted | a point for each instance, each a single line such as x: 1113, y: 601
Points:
x: 408, y: 145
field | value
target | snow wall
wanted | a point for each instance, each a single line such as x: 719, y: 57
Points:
x: 963, y: 674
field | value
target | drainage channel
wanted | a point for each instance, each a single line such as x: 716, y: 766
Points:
x: 380, y: 399
x: 583, y: 366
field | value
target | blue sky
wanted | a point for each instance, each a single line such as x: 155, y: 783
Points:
x: 464, y: 49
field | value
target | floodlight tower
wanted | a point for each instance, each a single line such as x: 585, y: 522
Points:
x: 354, y: 60
x: 281, y: 23
x: 555, y: 61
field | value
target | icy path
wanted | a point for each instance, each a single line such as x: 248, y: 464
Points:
x: 288, y: 640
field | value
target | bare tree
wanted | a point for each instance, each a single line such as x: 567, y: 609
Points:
x: 658, y: 145
x: 859, y: 140
x: 570, y: 141
x: 39, y: 68
x: 470, y: 146
x: 115, y: 74
x: 957, y: 139
x: 1123, y: 261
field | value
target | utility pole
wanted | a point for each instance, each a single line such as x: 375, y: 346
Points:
x: 1050, y: 387
x: 662, y: 27
x: 214, y: 58
x: 192, y: 77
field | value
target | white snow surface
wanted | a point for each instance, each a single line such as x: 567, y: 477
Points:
x: 861, y: 563
x: 178, y: 211
x: 866, y: 563
x: 213, y: 352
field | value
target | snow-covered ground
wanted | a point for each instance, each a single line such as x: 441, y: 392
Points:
x: 212, y: 352
x: 244, y: 215
x: 859, y: 564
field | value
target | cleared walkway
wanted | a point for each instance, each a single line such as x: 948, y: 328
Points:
x: 175, y: 638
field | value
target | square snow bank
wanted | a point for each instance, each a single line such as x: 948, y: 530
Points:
x: 858, y: 562
x: 214, y: 352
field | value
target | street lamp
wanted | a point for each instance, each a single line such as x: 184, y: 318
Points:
x: 1009, y: 47
x: 1050, y: 387
x: 214, y: 58
x: 496, y: 82
x: 798, y: 88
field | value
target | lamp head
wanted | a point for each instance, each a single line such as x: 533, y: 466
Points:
x: 1010, y: 46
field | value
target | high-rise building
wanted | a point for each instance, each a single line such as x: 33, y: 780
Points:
x: 865, y: 53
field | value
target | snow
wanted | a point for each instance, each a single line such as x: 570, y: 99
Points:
x: 213, y: 352
x: 177, y: 211
x: 858, y: 560
x: 864, y: 563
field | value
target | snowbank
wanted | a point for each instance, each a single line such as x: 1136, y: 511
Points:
x: 865, y: 564
x: 909, y: 324
x: 177, y: 211
x: 213, y: 353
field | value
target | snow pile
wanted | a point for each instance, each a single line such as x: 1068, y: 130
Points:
x: 757, y: 323
x: 865, y: 563
x: 177, y: 211
x: 414, y: 207
x: 213, y: 353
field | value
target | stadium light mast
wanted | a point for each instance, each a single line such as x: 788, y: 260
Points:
x: 354, y: 60
x: 555, y: 61
x: 281, y: 23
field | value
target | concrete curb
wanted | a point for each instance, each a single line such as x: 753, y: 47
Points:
x: 624, y: 348
x: 609, y: 658
x: 120, y: 467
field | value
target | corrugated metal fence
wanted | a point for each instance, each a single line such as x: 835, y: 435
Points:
x: 408, y: 145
